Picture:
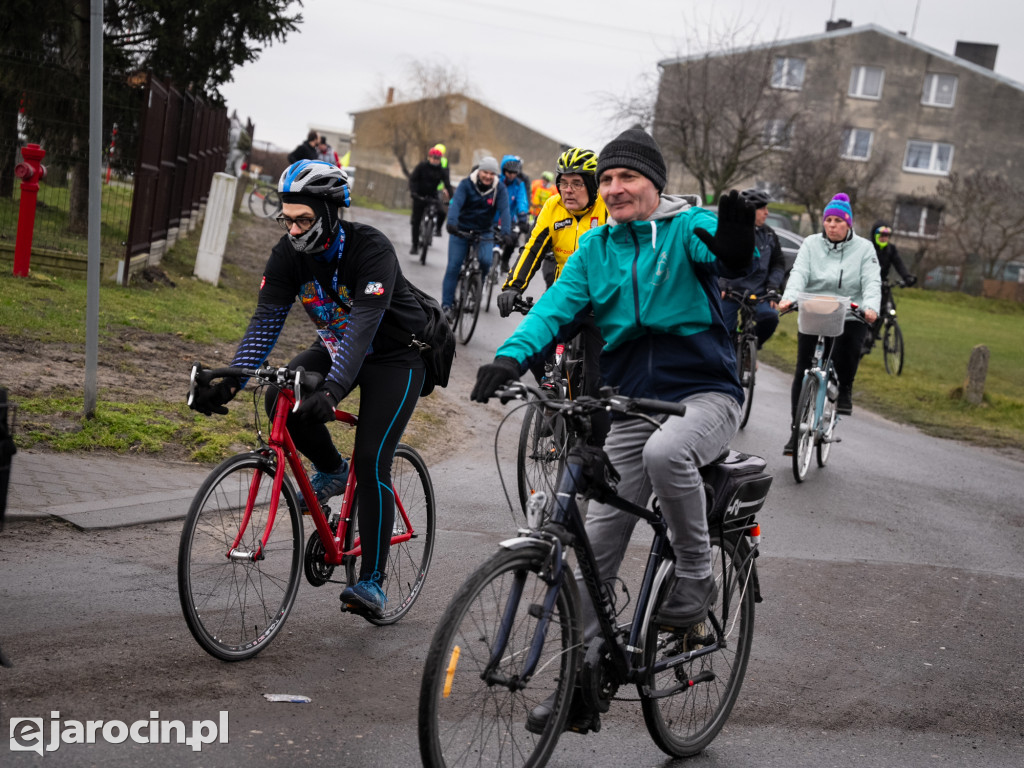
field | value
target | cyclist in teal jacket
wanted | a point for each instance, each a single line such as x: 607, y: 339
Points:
x: 651, y: 277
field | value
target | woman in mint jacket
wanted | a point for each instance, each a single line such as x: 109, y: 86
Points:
x: 836, y: 263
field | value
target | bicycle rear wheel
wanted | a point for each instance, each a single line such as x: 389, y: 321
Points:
x: 685, y: 706
x: 473, y: 707
x: 469, y: 305
x: 271, y: 203
x: 804, y: 428
x: 256, y: 200
x: 892, y: 347
x: 408, y: 561
x: 543, y: 446
x: 235, y: 607
x: 746, y: 360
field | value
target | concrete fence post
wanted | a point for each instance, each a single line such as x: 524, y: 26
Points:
x: 216, y: 225
x: 977, y: 370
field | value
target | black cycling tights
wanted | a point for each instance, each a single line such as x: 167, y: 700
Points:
x: 387, y: 397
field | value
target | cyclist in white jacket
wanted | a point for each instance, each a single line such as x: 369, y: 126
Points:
x: 835, y: 263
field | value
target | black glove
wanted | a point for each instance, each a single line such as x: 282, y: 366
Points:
x: 318, y: 408
x: 209, y: 399
x: 733, y: 241
x: 492, y: 376
x: 912, y: 280
x: 452, y: 229
x: 507, y: 301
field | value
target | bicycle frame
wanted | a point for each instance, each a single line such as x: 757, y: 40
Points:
x: 566, y: 526
x: 821, y: 371
x: 285, y: 454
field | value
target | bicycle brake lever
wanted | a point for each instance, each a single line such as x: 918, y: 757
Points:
x: 192, y: 383
x: 297, y: 389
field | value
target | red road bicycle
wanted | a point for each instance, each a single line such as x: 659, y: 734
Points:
x: 239, y: 561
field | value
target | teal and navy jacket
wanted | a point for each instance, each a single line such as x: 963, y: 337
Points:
x: 653, y: 288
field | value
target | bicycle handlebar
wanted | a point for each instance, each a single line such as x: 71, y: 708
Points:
x: 745, y: 298
x: 298, y: 380
x: 523, y: 305
x: 585, y: 405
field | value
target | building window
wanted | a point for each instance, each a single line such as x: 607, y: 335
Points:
x: 917, y: 219
x: 788, y: 73
x: 856, y: 144
x: 866, y: 82
x: 457, y: 113
x: 939, y: 90
x: 928, y: 157
x: 777, y: 134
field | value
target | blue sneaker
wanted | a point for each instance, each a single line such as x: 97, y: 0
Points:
x: 327, y: 485
x: 366, y: 597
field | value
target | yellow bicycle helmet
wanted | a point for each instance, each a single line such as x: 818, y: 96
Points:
x: 577, y: 160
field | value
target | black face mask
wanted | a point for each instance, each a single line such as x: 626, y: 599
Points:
x: 481, y: 186
x: 318, y: 238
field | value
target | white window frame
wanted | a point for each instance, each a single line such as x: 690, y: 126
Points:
x: 777, y: 135
x: 931, y: 88
x: 783, y: 82
x: 849, y: 143
x: 857, y: 77
x: 932, y: 169
x: 922, y: 222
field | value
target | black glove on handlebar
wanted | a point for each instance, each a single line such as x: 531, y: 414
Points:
x: 209, y: 399
x: 910, y: 281
x: 452, y: 229
x: 733, y: 241
x: 507, y: 301
x: 319, y: 407
x: 490, y: 377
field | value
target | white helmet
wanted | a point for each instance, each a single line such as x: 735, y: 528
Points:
x: 315, y: 178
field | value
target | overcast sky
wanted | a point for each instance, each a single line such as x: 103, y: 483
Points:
x: 556, y: 74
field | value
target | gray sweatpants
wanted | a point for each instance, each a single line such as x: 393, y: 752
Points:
x: 664, y: 462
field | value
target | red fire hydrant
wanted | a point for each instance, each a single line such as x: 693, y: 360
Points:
x: 30, y: 171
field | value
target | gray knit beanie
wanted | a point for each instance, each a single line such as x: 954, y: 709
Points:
x: 634, y: 149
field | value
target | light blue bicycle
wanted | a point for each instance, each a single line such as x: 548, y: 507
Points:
x: 816, y: 415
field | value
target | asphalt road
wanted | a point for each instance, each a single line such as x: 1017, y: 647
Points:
x: 890, y: 634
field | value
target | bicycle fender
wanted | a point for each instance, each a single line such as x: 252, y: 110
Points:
x: 664, y: 571
x: 522, y: 542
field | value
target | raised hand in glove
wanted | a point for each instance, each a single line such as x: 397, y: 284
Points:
x: 490, y: 377
x: 209, y: 399
x: 733, y: 241
x: 507, y: 301
x: 318, y: 408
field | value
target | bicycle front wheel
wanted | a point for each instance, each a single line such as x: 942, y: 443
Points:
x: 828, y: 428
x: 469, y: 306
x: 892, y: 347
x: 473, y: 701
x: 543, y: 446
x: 409, y: 560
x: 426, y: 236
x: 686, y: 705
x: 746, y: 360
x: 235, y: 605
x: 256, y: 200
x: 271, y: 203
x: 804, y: 428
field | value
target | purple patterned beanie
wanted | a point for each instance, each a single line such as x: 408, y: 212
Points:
x: 839, y: 206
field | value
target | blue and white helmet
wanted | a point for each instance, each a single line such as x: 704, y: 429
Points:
x: 315, y: 178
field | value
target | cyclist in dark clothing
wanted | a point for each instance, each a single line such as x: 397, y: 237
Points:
x: 307, y: 150
x: 888, y: 257
x: 423, y: 185
x: 350, y: 283
x: 766, y: 273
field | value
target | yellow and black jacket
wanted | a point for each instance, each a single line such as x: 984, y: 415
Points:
x: 560, y: 229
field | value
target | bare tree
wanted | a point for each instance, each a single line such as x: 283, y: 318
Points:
x: 814, y: 167
x: 423, y: 115
x: 983, y: 217
x: 717, y: 114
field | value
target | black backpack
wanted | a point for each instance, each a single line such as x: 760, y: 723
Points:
x: 436, y: 343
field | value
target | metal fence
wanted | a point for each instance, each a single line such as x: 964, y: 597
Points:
x: 162, y: 147
x: 45, y: 103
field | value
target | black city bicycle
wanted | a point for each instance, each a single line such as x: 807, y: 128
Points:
x: 428, y: 224
x: 511, y: 638
x: 746, y: 344
x: 468, y: 291
x: 887, y: 329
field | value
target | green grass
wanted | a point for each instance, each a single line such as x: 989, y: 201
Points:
x: 940, y: 330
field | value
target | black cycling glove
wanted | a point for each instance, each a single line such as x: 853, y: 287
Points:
x: 910, y: 281
x: 318, y: 408
x: 209, y: 399
x: 733, y: 241
x: 452, y: 229
x: 507, y: 301
x: 490, y: 377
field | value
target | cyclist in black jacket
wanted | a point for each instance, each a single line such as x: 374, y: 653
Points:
x: 888, y: 257
x: 349, y: 281
x: 424, y: 182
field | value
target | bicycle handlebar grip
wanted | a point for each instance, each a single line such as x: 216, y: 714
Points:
x: 658, y: 406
